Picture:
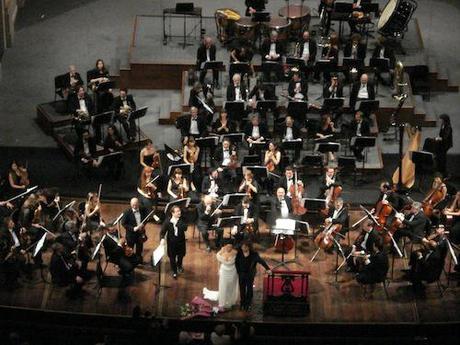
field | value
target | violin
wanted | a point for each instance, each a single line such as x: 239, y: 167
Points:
x: 296, y: 190
x: 23, y: 177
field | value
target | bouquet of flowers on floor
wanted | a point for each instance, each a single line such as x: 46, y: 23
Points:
x: 197, y: 307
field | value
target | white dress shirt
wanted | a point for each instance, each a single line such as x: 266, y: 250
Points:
x: 289, y: 135
x: 255, y: 132
x: 284, y: 209
x: 82, y: 103
x: 306, y: 51
x: 137, y: 216
x: 194, y: 127
x: 362, y: 93
x: 226, y: 157
x: 174, y: 223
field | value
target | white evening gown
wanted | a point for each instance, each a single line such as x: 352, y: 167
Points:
x: 228, y: 293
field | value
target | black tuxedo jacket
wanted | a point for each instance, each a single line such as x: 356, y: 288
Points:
x: 206, y: 184
x: 204, y: 221
x: 129, y: 220
x: 252, y: 211
x: 445, y: 133
x: 417, y: 225
x: 312, y: 49
x: 371, y: 239
x: 355, y: 90
x: 78, y: 151
x: 323, y: 187
x: 201, y: 55
x: 262, y: 130
x: 268, y: 95
x: 303, y: 87
x: 275, y: 207
x: 183, y: 123
x: 338, y: 92
x: 365, y: 128
x: 167, y: 231
x: 295, y: 131
x: 376, y: 270
x: 117, y: 103
x: 361, y: 53
x: 74, y: 104
x: 342, y: 218
x: 231, y: 94
x: 66, y: 79
x: 113, y: 251
x: 265, y: 49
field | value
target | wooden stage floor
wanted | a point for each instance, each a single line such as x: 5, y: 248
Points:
x: 330, y: 302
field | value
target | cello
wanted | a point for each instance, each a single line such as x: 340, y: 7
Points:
x: 296, y: 192
x: 325, y: 239
x: 434, y: 197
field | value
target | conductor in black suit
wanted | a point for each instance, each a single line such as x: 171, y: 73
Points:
x: 206, y: 52
x: 122, y: 106
x: 173, y: 229
x: 246, y: 262
x: 135, y: 231
x: 362, y: 90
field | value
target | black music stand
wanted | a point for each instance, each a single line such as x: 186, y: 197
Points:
x: 182, y: 203
x: 379, y: 65
x: 313, y: 160
x: 347, y: 165
x: 292, y: 145
x: 298, y: 109
x: 313, y: 204
x: 241, y: 68
x: 105, y: 86
x: 250, y: 160
x: 257, y: 170
x: 259, y: 146
x: 369, y: 106
x: 267, y: 105
x: 233, y: 199
x: 294, y: 61
x: 327, y: 147
x: 269, y: 67
x: 213, y: 65
x: 333, y: 103
x: 365, y: 143
x: 102, y: 119
x: 136, y: 115
x: 261, y: 16
x: 348, y: 63
x: 172, y: 154
x: 186, y: 168
x: 235, y: 110
x: 424, y: 165
x: 205, y: 144
x: 228, y: 222
x: 325, y: 66
x: 234, y: 137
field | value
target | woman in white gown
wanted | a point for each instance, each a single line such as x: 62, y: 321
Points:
x: 228, y: 293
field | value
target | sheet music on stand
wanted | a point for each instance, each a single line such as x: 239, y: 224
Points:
x: 284, y: 226
x: 40, y: 244
x: 227, y: 197
x: 158, y: 254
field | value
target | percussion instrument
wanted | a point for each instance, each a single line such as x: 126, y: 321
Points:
x: 395, y: 17
x: 300, y: 18
x: 225, y: 22
x: 245, y: 29
x: 280, y: 25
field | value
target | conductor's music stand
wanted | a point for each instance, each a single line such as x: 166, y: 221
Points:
x: 136, y: 115
x: 282, y: 229
x: 206, y: 143
x: 424, y: 165
x: 235, y: 110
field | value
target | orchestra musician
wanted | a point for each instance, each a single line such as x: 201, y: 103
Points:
x: 427, y: 263
x: 272, y: 157
x: 92, y: 215
x: 81, y: 106
x: 12, y: 252
x: 191, y: 153
x: 253, y: 6
x: 329, y: 180
x: 207, y: 52
x: 325, y: 130
x: 113, y: 141
x: 97, y: 77
x: 355, y: 49
x: 436, y: 198
x: 272, y: 50
x: 261, y: 92
x: 178, y: 186
x: 115, y: 252
x: 212, y: 184
x: 72, y: 80
x: 333, y: 88
x: 444, y: 143
x: 200, y: 92
x: 383, y: 50
x: 206, y: 218
x: 359, y: 127
x: 223, y: 125
x: 375, y: 267
x: 280, y: 206
x: 148, y: 189
x: 29, y: 220
x: 306, y: 50
x: 298, y: 87
x: 65, y: 271
x: 78, y: 244
x: 249, y: 222
x: 249, y: 186
x: 236, y: 91
x: 173, y: 229
x: 452, y: 214
x: 361, y: 90
x: 132, y: 221
x: 338, y: 214
x: 149, y: 157
x: 193, y: 125
x: 364, y: 243
x: 255, y: 131
x: 286, y: 181
x: 18, y: 178
x: 242, y: 54
x: 226, y: 158
x: 330, y: 52
x: 289, y: 130
x: 414, y: 224
x: 122, y: 106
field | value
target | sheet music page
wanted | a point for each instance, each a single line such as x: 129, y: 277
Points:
x: 158, y: 254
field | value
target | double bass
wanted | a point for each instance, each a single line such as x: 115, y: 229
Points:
x: 296, y: 192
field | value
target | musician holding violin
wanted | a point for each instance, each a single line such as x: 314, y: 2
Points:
x: 149, y: 157
x: 18, y: 178
x: 207, y: 215
x: 178, y: 186
x: 249, y: 186
x: 92, y: 215
x: 249, y: 223
x: 134, y: 223
x: 148, y: 188
x: 272, y: 157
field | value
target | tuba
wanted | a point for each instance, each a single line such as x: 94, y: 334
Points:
x: 399, y: 81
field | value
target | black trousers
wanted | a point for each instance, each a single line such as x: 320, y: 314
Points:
x: 219, y: 237
x: 134, y: 239
x: 175, y: 260
x: 128, y: 126
x: 246, y: 281
x: 215, y: 75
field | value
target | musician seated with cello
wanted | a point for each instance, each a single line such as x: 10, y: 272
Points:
x: 65, y: 271
x: 249, y: 225
x: 207, y: 215
x: 364, y: 244
x: 13, y: 242
x: 122, y: 106
x: 133, y: 221
x: 414, y: 224
x: 330, y: 183
x: 118, y: 252
x: 427, y: 263
x: 287, y: 182
x: 435, y: 200
x: 335, y: 226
